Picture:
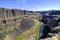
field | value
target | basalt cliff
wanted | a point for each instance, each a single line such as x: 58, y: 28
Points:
x: 16, y: 24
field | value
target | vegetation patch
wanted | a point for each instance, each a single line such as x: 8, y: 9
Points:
x: 29, y: 32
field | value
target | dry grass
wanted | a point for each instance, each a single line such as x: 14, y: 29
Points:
x: 28, y: 34
x: 7, y: 38
x: 54, y: 38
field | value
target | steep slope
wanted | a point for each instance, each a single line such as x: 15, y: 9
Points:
x: 30, y: 34
x: 14, y: 22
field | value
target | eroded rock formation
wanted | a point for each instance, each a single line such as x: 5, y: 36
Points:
x: 11, y: 22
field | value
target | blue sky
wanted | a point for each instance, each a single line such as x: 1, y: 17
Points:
x: 31, y: 4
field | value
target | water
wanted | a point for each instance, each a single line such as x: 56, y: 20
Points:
x: 44, y: 30
x: 41, y: 29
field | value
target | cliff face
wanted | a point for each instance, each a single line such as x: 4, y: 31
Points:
x: 11, y: 19
x: 12, y: 16
x: 10, y: 12
x: 4, y: 12
x: 52, y: 21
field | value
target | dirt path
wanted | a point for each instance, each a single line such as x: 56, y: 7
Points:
x: 29, y: 34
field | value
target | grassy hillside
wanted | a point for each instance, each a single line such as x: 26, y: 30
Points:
x: 30, y: 34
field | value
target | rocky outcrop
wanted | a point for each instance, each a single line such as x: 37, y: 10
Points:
x: 10, y: 16
x: 11, y: 22
x: 5, y: 12
x: 25, y: 24
x: 51, y: 19
x: 10, y: 12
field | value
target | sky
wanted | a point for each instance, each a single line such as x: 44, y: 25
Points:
x: 32, y: 5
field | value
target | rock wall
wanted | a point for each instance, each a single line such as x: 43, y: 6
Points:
x: 11, y: 17
x: 10, y: 12
x: 5, y: 12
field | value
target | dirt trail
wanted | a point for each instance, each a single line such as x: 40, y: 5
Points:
x: 29, y: 34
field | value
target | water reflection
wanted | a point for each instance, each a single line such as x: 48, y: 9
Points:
x: 44, y: 30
